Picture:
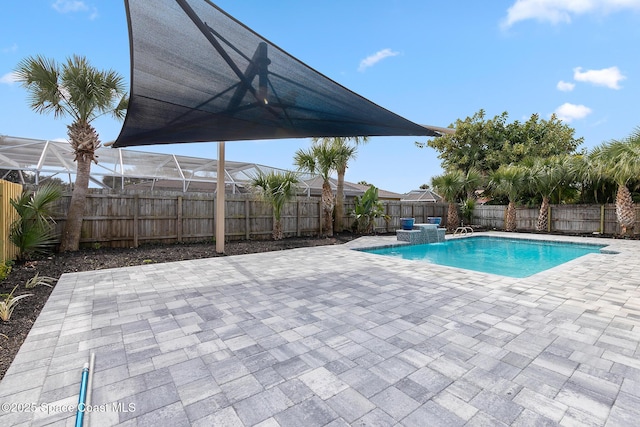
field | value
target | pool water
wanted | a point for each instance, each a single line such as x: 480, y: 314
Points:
x: 506, y: 257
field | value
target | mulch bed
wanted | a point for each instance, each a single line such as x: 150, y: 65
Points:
x: 14, y: 332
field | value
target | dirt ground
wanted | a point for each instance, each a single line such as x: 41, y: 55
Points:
x: 14, y: 331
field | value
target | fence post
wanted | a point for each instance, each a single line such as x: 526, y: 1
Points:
x: 386, y: 211
x: 215, y: 214
x: 602, y: 219
x: 298, y: 218
x: 179, y: 220
x: 247, y: 220
x: 320, y: 216
x: 136, y: 208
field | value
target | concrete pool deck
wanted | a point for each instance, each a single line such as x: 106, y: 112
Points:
x: 328, y: 336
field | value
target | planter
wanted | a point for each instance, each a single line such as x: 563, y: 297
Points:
x: 407, y: 223
x: 434, y: 220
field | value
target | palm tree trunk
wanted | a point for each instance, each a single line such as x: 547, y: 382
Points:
x: 277, y: 230
x: 510, y: 223
x: 70, y: 239
x: 327, y: 207
x: 84, y: 140
x: 340, y: 201
x: 543, y: 216
x: 453, y: 219
x: 625, y: 211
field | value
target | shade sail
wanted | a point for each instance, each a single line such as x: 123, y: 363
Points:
x: 200, y: 75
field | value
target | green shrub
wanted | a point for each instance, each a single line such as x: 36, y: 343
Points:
x: 5, y: 269
x: 367, y: 209
x: 32, y: 232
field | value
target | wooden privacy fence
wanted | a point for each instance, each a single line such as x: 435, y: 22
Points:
x: 131, y: 219
x: 8, y: 191
x: 570, y: 219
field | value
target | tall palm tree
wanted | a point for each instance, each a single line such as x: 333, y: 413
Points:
x: 84, y: 93
x: 450, y: 186
x: 510, y: 181
x: 345, y: 152
x: 277, y: 188
x: 545, y: 175
x: 620, y: 161
x: 320, y: 159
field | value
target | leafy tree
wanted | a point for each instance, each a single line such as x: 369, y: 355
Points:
x: 450, y: 186
x: 425, y: 187
x: 486, y: 144
x: 345, y: 150
x: 510, y: 181
x: 32, y: 233
x: 619, y: 160
x: 277, y: 188
x: 84, y: 93
x: 320, y: 159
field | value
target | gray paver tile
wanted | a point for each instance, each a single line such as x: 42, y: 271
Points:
x: 432, y: 414
x: 395, y: 403
x: 309, y: 413
x: 350, y: 405
x: 262, y: 406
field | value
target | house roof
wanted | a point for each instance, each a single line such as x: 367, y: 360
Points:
x: 421, y: 196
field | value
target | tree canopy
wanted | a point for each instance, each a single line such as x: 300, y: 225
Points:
x: 485, y: 144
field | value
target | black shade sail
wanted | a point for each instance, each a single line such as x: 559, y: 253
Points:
x: 200, y: 75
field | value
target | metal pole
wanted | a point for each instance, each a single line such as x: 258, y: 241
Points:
x: 220, y: 202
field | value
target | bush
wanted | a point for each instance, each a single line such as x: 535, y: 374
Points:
x: 367, y: 209
x: 5, y: 269
x: 32, y: 232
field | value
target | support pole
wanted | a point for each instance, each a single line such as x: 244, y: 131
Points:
x: 220, y: 202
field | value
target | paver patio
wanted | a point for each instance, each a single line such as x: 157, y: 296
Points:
x: 329, y: 336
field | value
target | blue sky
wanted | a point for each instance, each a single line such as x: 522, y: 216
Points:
x: 431, y: 62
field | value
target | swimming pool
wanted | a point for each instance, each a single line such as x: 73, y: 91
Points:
x: 497, y: 255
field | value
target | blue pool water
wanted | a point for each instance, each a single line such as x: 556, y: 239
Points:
x: 496, y: 255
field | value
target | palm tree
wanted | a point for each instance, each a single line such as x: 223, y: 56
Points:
x: 78, y: 90
x: 473, y: 179
x: 32, y: 233
x: 344, y: 152
x: 450, y: 186
x: 509, y: 180
x: 619, y: 160
x: 277, y: 188
x: 545, y: 176
x: 320, y: 159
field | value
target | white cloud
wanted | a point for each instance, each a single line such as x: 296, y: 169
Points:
x: 10, y: 49
x: 9, y: 78
x: 66, y: 6
x: 608, y: 77
x: 565, y: 86
x: 371, y: 60
x: 568, y: 112
x: 562, y: 11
